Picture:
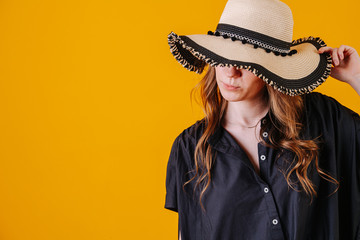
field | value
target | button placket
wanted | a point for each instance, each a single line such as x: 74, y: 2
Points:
x: 265, y: 134
x: 262, y: 150
x: 263, y: 157
x: 272, y: 210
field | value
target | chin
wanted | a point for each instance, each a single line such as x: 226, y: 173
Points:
x: 233, y: 97
x: 241, y: 94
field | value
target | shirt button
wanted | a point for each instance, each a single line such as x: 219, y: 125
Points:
x: 265, y: 134
x: 262, y: 157
x: 275, y: 221
x: 264, y: 121
x: 266, y: 190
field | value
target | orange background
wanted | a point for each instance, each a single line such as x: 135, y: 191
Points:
x: 91, y: 101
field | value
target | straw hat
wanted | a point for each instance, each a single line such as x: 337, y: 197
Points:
x: 257, y: 35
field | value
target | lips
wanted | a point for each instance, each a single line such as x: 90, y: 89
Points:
x: 230, y: 87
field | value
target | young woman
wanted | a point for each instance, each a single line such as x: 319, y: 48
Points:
x: 271, y: 159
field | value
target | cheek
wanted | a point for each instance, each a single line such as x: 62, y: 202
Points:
x: 261, y: 84
x: 255, y: 82
x: 219, y: 73
x: 258, y: 84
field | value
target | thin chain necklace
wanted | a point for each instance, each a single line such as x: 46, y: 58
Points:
x: 251, y: 126
x: 257, y: 123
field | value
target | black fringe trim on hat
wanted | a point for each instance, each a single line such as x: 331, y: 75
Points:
x: 193, y: 60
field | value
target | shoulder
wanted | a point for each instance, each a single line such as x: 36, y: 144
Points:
x: 320, y: 104
x: 325, y: 115
x: 190, y: 135
x: 184, y: 145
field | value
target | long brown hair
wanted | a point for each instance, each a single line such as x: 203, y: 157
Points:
x: 285, y: 113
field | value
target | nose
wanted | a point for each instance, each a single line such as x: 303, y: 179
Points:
x: 232, y: 72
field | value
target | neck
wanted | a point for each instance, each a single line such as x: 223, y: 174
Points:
x: 246, y: 113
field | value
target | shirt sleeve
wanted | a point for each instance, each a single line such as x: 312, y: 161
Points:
x: 355, y: 188
x: 352, y: 179
x: 171, y: 202
x: 340, y: 127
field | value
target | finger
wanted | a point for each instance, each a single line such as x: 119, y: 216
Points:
x: 324, y: 49
x: 335, y: 57
x: 341, y: 52
x: 348, y: 50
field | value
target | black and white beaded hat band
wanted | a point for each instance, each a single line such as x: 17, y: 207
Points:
x: 256, y: 35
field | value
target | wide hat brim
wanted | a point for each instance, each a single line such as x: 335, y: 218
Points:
x: 295, y: 74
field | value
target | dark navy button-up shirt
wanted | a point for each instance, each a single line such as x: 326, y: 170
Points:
x: 241, y: 204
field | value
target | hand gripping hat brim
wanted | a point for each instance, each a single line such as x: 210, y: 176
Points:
x: 256, y: 35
